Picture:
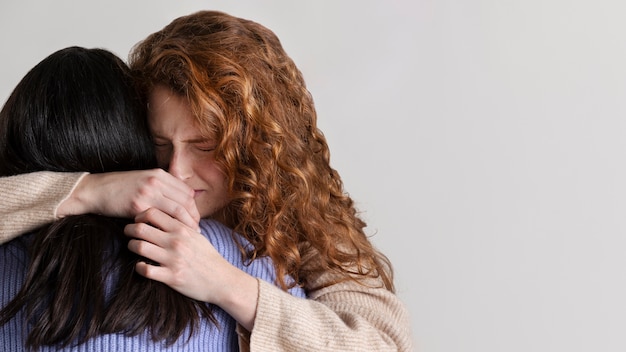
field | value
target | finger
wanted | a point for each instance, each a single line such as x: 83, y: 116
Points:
x: 148, y: 250
x: 179, y: 212
x: 185, y: 200
x: 162, y: 190
x: 181, y: 194
x: 146, y: 232
x: 157, y: 218
x: 157, y: 273
x: 159, y: 178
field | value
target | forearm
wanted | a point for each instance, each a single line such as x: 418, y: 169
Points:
x: 31, y: 200
x: 345, y: 316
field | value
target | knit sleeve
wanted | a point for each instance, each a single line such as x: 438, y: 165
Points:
x: 342, y: 317
x: 31, y: 200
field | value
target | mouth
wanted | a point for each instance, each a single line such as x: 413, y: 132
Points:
x: 197, y: 193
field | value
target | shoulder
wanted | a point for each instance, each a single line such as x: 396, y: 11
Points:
x: 230, y: 244
x: 221, y: 236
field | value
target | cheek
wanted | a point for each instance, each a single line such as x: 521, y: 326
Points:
x: 217, y: 179
x: 213, y: 174
x: 209, y: 168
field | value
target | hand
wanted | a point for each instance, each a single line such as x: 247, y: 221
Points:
x: 190, y: 264
x: 128, y: 193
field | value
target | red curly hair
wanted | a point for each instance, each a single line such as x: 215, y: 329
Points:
x: 249, y: 96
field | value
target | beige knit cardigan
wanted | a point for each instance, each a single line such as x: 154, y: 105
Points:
x: 342, y: 317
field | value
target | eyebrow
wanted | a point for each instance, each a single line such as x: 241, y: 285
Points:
x: 197, y: 140
x: 191, y: 140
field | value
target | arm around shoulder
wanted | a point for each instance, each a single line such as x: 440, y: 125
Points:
x: 31, y: 200
x: 340, y: 317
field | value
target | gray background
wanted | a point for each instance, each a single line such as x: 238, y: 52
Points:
x: 483, y: 142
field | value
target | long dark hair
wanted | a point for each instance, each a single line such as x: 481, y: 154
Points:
x: 78, y: 110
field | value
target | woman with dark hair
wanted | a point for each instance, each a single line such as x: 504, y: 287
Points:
x: 71, y: 284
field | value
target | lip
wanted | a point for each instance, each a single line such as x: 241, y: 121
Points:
x: 197, y: 192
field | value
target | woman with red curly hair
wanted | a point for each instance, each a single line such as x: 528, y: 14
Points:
x: 234, y: 124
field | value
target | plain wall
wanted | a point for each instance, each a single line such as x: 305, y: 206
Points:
x: 483, y: 142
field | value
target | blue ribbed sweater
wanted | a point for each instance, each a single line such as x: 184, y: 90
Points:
x: 14, y: 263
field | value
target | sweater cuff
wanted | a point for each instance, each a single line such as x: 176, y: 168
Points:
x: 276, y: 311
x: 31, y: 200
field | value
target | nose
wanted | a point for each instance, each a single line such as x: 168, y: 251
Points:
x: 180, y: 165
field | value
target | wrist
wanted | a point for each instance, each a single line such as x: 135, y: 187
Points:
x: 241, y: 299
x: 76, y: 201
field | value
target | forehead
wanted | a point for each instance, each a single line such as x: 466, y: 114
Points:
x: 170, y: 118
x: 163, y: 104
x: 167, y: 109
x: 161, y: 98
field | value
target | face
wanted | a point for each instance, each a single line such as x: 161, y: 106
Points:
x: 184, y: 152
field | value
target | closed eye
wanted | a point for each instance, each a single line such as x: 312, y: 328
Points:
x: 205, y: 147
x: 160, y: 142
x: 161, y: 145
